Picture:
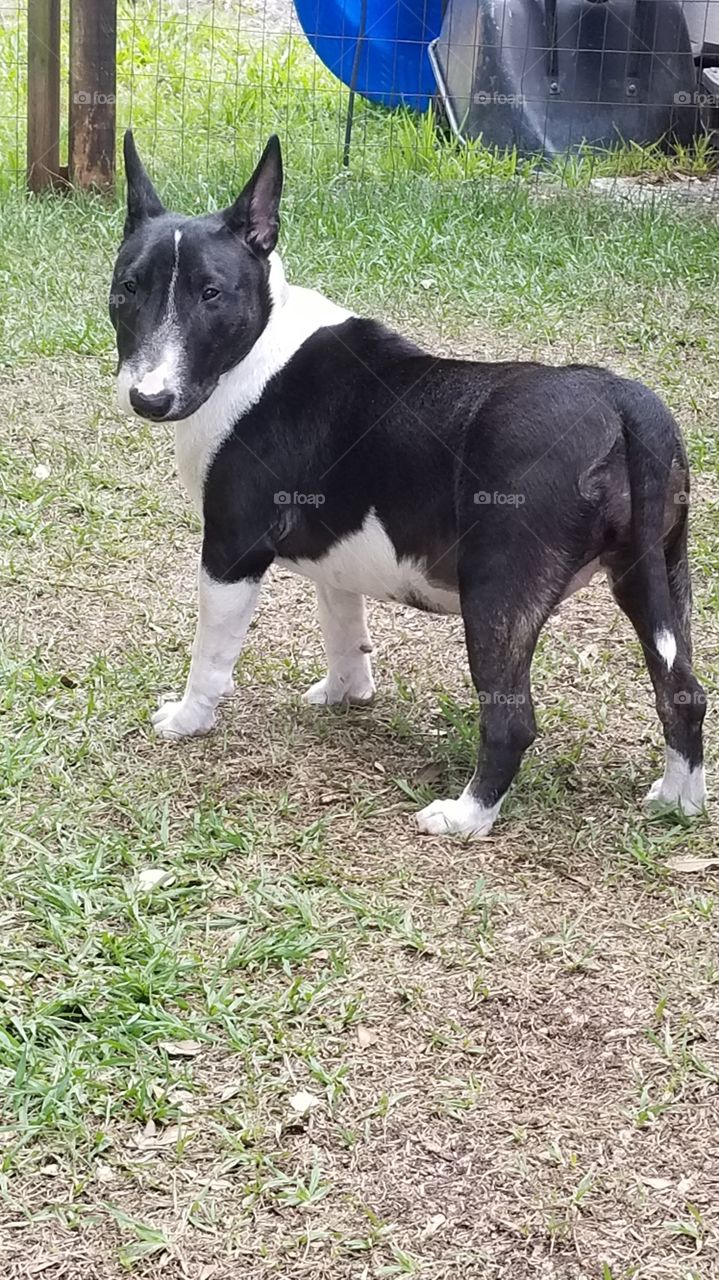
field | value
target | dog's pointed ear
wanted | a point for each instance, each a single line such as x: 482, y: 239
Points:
x: 255, y: 215
x: 142, y: 199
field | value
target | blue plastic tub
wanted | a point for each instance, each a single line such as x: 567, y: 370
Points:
x: 394, y: 68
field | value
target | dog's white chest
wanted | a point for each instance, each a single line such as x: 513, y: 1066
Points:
x: 366, y: 563
x: 296, y: 315
x: 193, y: 452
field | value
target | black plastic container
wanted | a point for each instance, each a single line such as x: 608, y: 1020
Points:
x: 549, y: 76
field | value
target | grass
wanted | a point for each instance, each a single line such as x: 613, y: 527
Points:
x: 249, y: 1023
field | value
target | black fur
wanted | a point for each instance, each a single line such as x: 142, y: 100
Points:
x: 503, y: 480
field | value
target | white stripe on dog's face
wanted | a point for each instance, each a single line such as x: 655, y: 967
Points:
x: 171, y: 307
x: 145, y: 373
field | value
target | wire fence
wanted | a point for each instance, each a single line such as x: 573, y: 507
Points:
x: 573, y: 90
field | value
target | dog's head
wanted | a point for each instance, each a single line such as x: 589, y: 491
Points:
x: 190, y: 296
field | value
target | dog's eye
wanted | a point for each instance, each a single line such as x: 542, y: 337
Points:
x: 129, y: 286
x: 209, y: 293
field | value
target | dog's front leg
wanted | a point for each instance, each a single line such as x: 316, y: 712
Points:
x: 225, y: 612
x: 347, y: 642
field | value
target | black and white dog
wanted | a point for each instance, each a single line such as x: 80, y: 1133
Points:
x: 310, y: 437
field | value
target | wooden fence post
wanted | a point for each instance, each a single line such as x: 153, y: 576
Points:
x: 43, y: 94
x: 93, y: 36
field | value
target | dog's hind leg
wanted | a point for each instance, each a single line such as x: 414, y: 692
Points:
x: 347, y: 643
x: 501, y: 639
x: 650, y: 581
x: 680, y: 585
x: 680, y: 699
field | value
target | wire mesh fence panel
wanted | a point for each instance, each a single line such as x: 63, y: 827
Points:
x: 562, y: 89
x: 13, y: 82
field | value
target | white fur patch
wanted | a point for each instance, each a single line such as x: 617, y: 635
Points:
x: 225, y: 612
x: 666, y: 647
x: 296, y: 314
x: 464, y: 816
x: 680, y: 785
x: 155, y: 380
x: 366, y: 563
x: 171, y: 304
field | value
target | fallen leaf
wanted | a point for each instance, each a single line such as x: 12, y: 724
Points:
x: 229, y: 1091
x: 169, y: 1136
x: 431, y: 772
x: 366, y: 1037
x: 50, y: 1170
x: 181, y: 1048
x: 304, y: 1102
x: 154, y: 878
x: 685, y: 1184
x: 151, y: 1138
x: 103, y: 1173
x: 185, y: 1101
x: 689, y: 862
x: 42, y: 471
x: 433, y: 1225
x: 658, y: 1184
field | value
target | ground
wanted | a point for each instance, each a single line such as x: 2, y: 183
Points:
x: 320, y: 1045
x: 252, y: 1026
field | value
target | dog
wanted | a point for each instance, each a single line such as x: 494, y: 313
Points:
x: 326, y: 443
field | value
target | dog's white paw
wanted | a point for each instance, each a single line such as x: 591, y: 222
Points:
x: 334, y: 691
x: 654, y: 794
x: 679, y: 787
x: 456, y: 817
x: 229, y: 688
x: 182, y: 720
x: 691, y: 802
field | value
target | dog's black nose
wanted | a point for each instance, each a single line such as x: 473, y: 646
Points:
x: 155, y: 407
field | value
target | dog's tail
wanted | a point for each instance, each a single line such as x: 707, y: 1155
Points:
x: 653, y: 446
